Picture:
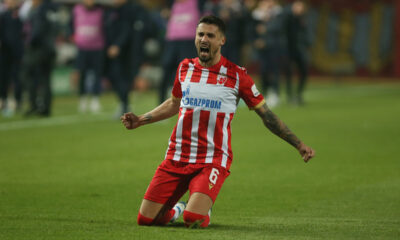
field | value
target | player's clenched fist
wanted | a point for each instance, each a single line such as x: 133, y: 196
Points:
x: 130, y: 120
x: 306, y: 152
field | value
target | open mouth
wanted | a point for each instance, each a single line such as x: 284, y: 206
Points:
x: 204, y: 50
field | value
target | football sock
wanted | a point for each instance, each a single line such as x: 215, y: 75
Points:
x: 166, y: 218
x: 193, y: 220
x: 142, y: 220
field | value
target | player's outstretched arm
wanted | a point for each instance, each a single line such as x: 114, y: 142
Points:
x: 279, y: 128
x: 165, y: 110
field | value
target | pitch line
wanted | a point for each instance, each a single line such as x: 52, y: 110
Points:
x: 52, y: 121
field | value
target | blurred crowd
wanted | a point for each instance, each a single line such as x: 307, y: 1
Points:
x: 115, y: 42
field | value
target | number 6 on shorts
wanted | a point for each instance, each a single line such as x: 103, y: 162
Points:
x: 214, y: 176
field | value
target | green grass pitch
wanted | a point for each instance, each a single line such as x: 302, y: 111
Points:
x: 83, y: 176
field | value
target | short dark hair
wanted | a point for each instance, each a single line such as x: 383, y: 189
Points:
x: 211, y: 19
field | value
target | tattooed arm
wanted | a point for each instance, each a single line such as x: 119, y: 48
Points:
x: 166, y: 110
x: 279, y: 128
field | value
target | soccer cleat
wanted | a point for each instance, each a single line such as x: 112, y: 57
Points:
x: 179, y: 208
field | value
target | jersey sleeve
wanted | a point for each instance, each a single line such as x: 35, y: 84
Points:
x: 249, y: 92
x: 177, y: 89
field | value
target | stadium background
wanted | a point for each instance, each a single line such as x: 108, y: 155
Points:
x: 348, y: 39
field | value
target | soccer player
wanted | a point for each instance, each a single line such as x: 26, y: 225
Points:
x: 205, y: 93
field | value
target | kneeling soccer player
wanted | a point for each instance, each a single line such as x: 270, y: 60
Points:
x: 206, y: 92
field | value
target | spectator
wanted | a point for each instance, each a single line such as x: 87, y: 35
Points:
x: 89, y: 38
x: 39, y: 57
x: 270, y: 42
x: 125, y: 31
x: 298, y: 43
x: 181, y: 31
x: 233, y: 14
x: 11, y: 51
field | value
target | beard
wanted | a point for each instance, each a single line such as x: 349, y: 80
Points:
x: 204, y: 59
x: 207, y: 57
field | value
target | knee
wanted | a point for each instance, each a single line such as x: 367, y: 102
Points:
x: 194, y: 220
x: 144, y: 221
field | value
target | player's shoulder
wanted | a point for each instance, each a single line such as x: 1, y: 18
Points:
x: 242, y: 70
x: 236, y: 68
x: 185, y: 63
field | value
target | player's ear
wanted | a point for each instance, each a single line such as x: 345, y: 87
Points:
x: 223, y: 40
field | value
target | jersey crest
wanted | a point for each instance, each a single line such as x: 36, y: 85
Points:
x: 221, y: 79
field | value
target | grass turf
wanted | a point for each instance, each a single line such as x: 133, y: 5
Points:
x: 83, y: 176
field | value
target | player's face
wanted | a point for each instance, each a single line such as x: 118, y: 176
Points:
x: 208, y: 42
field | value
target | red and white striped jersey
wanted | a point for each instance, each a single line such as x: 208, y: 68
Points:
x: 209, y: 97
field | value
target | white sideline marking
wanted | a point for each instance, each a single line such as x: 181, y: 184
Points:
x: 52, y: 121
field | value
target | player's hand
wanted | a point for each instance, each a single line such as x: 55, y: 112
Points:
x: 130, y: 120
x: 306, y: 152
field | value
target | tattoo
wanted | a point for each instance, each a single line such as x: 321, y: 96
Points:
x: 275, y: 125
x: 146, y: 118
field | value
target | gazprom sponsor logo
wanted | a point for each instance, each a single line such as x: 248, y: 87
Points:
x: 202, y: 102
x: 186, y: 93
x: 188, y: 101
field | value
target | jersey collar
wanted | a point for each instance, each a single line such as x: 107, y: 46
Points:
x: 213, y: 67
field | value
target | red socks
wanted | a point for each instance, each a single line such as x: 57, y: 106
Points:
x: 164, y: 220
x: 195, y: 220
x: 191, y: 219
x: 142, y: 220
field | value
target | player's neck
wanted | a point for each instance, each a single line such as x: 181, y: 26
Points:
x: 211, y: 62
